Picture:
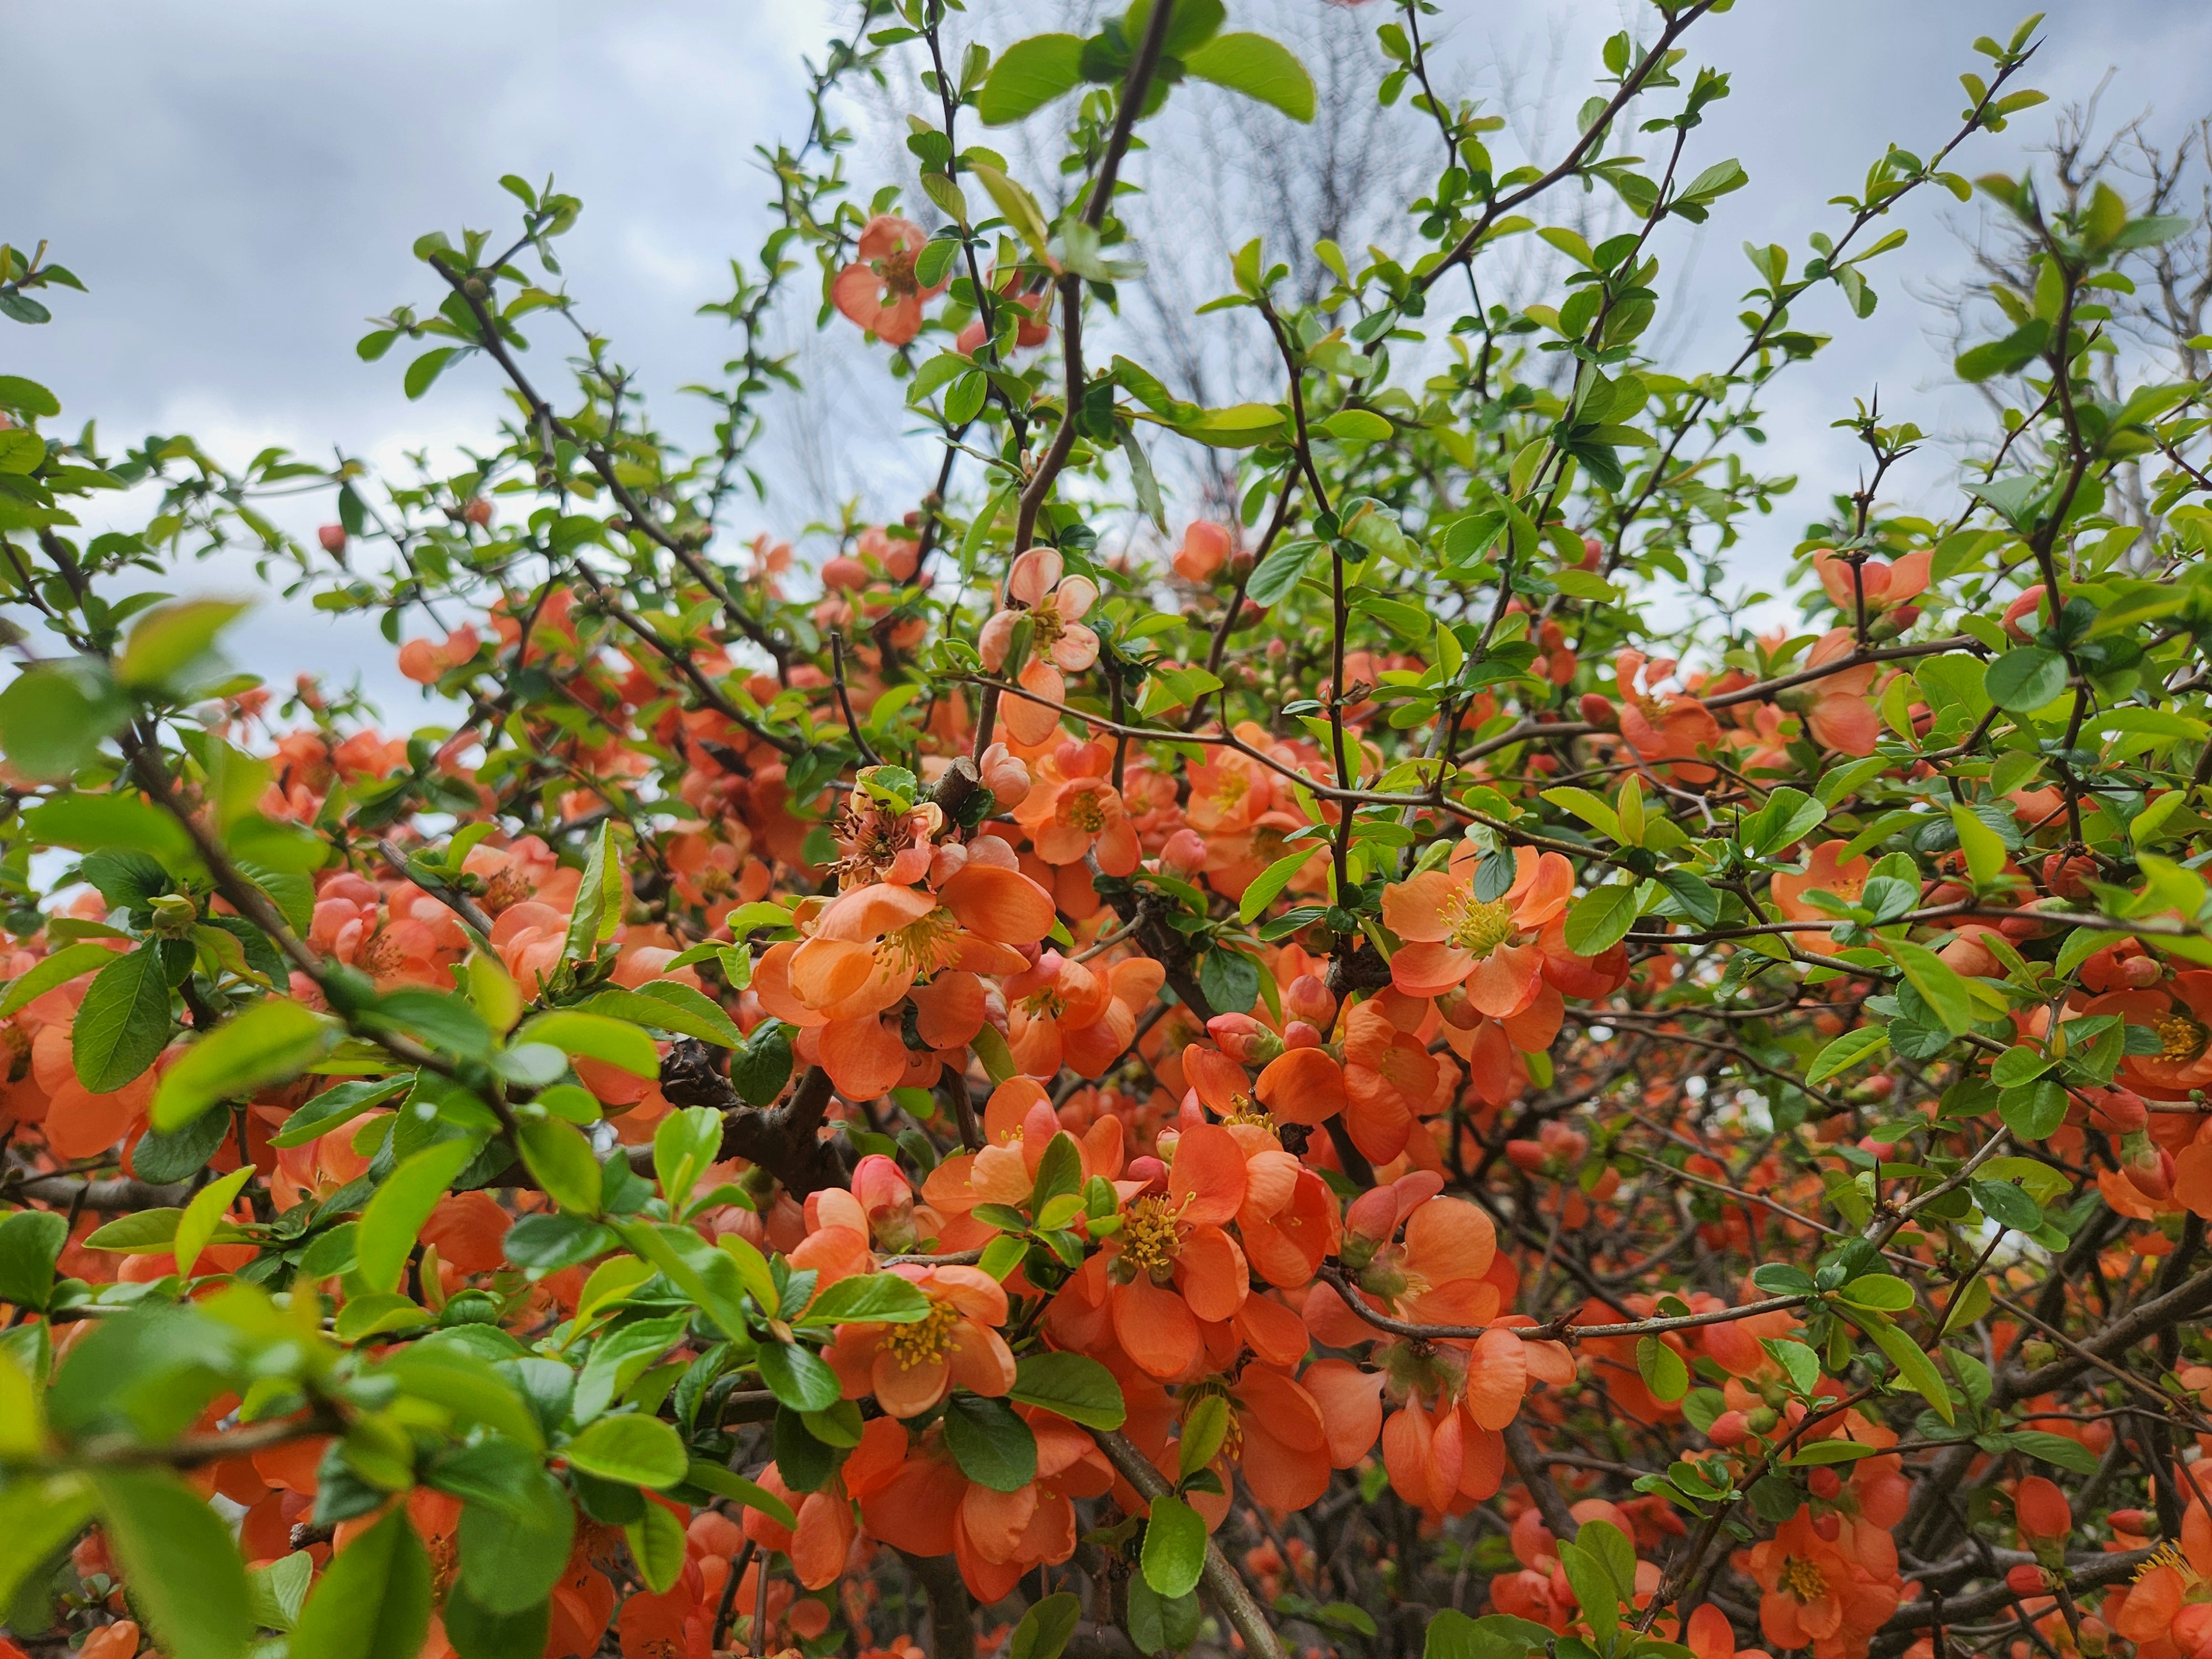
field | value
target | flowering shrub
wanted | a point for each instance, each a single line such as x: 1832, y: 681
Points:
x: 1310, y: 1079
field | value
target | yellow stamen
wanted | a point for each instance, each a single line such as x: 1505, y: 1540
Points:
x: 1477, y: 926
x: 1803, y: 1579
x: 927, y: 1338
x: 1150, y: 1240
x: 2180, y: 1038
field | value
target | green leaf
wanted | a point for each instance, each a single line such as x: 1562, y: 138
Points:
x: 1045, y: 1628
x: 1174, y: 1547
x: 203, y: 1215
x: 37, y: 1517
x: 1600, y: 919
x: 597, y: 911
x: 759, y: 1070
x: 54, y: 716
x: 373, y: 1602
x: 184, y: 1568
x: 1270, y: 882
x: 714, y: 1478
x: 1074, y: 1385
x: 2033, y: 1111
x: 394, y: 1217
x: 123, y: 1024
x: 1280, y: 571
x: 2054, y: 1448
x: 27, y: 398
x: 798, y: 1376
x: 171, y: 638
x: 278, y: 1590
x: 513, y: 1552
x: 656, y: 1544
x: 669, y: 1005
x: 2024, y: 679
x: 2007, y: 1205
x: 1260, y: 68
x: 1592, y: 1582
x: 467, y: 1386
x: 1884, y: 1292
x: 424, y: 372
x: 70, y: 962
x: 594, y: 1036
x: 1937, y: 981
x: 1847, y: 1051
x: 31, y: 1242
x: 1357, y: 426
x: 271, y: 1041
x: 993, y: 1446
x: 476, y: 1632
x: 566, y: 1169
x: 1914, y: 1367
x: 642, y: 1451
x: 868, y: 1299
x: 1663, y: 1370
x: 1453, y: 1635
x: 1984, y: 849
x: 1788, y: 816
x: 1029, y: 75
x: 683, y: 1144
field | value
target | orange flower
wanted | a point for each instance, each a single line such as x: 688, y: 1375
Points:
x: 1067, y: 1012
x: 1172, y: 1264
x: 1830, y: 1596
x: 1822, y: 873
x: 870, y: 946
x: 1886, y: 586
x: 1836, y: 708
x: 1453, y: 938
x: 1059, y: 641
x: 1072, y: 809
x: 1669, y: 727
x: 879, y: 289
x: 910, y: 1368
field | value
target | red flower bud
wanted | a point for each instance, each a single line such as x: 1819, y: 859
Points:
x: 2041, y: 1508
x: 1825, y: 1483
x: 1729, y: 1429
x: 1599, y: 711
x: 1151, y: 1171
x: 1243, y: 1039
x: 2027, y: 1580
x: 332, y: 536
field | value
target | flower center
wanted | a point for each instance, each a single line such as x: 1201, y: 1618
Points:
x: 1084, y: 811
x: 927, y: 1338
x: 509, y: 887
x: 1242, y: 1108
x: 1046, y: 1004
x: 1233, y: 788
x: 922, y: 946
x: 1802, y: 1578
x: 896, y: 268
x: 2180, y: 1038
x: 1477, y: 926
x: 1150, y: 1240
x: 381, y: 955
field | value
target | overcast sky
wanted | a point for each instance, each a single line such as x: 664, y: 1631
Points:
x: 238, y: 185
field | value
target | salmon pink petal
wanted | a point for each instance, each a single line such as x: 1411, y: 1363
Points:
x: 825, y: 971
x: 1427, y: 970
x: 981, y: 1362
x: 908, y: 1389
x: 1076, y: 649
x: 1221, y: 1082
x: 1497, y: 1378
x: 870, y: 911
x: 1302, y: 1085
x: 1207, y: 1181
x: 1549, y: 886
x: 949, y: 1010
x: 1281, y: 1477
x: 1351, y: 1402
x: 1414, y: 910
x: 1534, y: 1027
x: 1505, y: 981
x: 999, y: 903
x: 1212, y: 1274
x: 1273, y: 1331
x: 1450, y: 1238
x: 859, y: 293
x: 1155, y: 1329
x: 864, y: 1057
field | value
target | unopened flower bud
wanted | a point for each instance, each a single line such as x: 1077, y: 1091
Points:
x: 1151, y: 1171
x: 1309, y: 999
x: 1598, y: 710
x: 1729, y: 1429
x: 1243, y: 1039
x: 1824, y: 1483
x: 1299, y: 1034
x: 332, y: 536
x: 2027, y: 1580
